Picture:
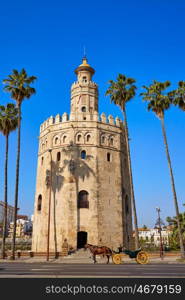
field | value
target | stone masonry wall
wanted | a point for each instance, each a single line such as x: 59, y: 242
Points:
x: 104, y: 180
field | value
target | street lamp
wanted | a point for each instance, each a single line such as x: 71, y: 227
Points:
x: 159, y: 230
x: 49, y: 204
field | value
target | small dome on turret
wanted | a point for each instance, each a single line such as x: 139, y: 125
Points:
x: 84, y: 66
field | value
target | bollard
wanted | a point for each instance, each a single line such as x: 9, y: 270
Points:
x: 31, y: 253
x: 18, y: 254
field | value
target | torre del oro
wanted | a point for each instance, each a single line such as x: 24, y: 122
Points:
x: 82, y: 186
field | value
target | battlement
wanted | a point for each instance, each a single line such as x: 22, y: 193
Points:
x: 110, y: 120
x: 58, y: 119
x: 88, y: 83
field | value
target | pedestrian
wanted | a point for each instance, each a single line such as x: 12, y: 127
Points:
x: 65, y: 246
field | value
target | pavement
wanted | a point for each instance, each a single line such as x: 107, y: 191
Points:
x: 87, y: 259
x: 81, y: 264
x: 57, y: 270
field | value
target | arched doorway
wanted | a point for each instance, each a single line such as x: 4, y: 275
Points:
x: 81, y: 239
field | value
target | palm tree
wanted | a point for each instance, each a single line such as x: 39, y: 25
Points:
x: 173, y: 222
x: 18, y: 85
x: 122, y: 91
x: 8, y: 123
x: 158, y: 103
x: 178, y: 96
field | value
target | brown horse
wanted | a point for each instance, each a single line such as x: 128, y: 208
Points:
x: 95, y: 250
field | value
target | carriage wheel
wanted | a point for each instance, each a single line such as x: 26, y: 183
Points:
x: 142, y: 258
x: 116, y: 258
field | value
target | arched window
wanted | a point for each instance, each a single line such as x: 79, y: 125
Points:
x: 88, y: 138
x: 84, y: 79
x: 58, y: 156
x: 39, y: 203
x: 108, y: 157
x: 83, y: 109
x: 111, y: 141
x: 56, y: 140
x: 83, y: 201
x: 64, y: 139
x: 42, y: 160
x: 126, y: 205
x: 79, y: 138
x: 83, y: 154
x: 103, y: 139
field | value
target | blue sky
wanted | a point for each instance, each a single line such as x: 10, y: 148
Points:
x: 142, y: 39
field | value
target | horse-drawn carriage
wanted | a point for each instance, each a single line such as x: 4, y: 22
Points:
x: 140, y: 256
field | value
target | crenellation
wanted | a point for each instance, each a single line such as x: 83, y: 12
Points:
x: 111, y: 120
x: 51, y: 121
x: 65, y: 117
x: 57, y: 119
x: 103, y: 118
x: 117, y: 121
x: 45, y: 124
x: 89, y: 83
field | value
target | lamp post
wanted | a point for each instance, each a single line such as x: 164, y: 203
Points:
x: 49, y: 204
x: 159, y: 223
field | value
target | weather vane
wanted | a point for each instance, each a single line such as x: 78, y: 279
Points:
x: 84, y: 52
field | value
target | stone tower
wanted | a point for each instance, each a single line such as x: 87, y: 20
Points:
x: 83, y: 173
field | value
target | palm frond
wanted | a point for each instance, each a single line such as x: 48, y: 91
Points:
x: 121, y: 91
x: 18, y: 85
x: 8, y: 118
x: 159, y: 100
x: 178, y: 96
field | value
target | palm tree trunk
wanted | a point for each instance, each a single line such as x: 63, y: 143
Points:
x: 17, y: 183
x: 5, y: 200
x: 173, y: 188
x: 54, y: 223
x: 78, y: 210
x: 131, y: 182
x: 49, y: 206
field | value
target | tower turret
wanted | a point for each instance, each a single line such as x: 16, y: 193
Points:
x: 84, y: 71
x: 84, y: 93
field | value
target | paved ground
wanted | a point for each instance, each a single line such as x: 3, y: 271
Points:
x: 81, y: 258
x: 17, y: 269
x: 81, y: 264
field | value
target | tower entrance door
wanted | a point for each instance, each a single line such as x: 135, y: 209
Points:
x: 81, y: 239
